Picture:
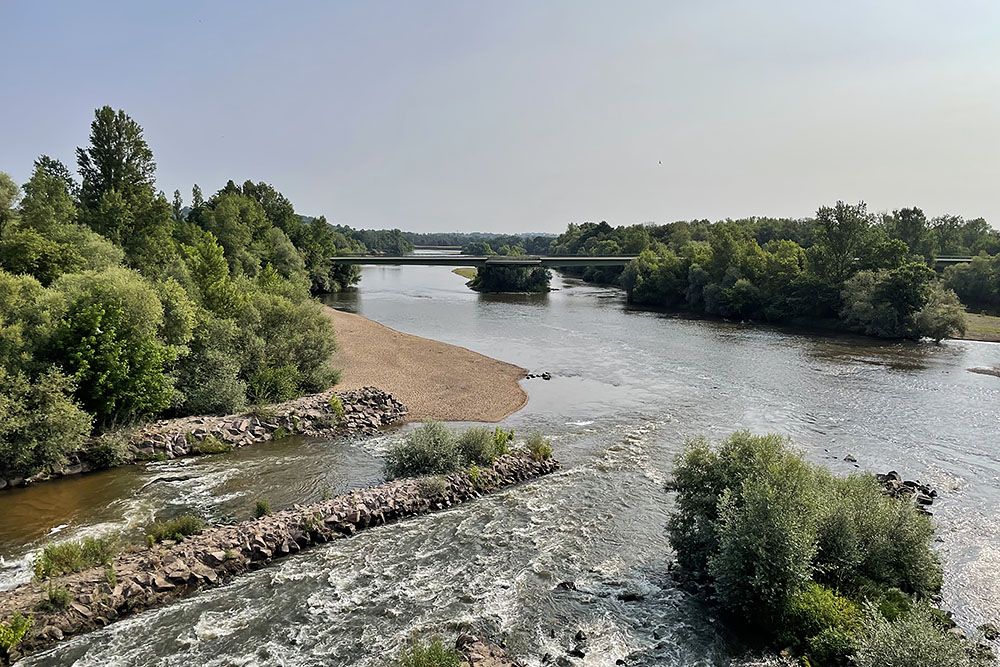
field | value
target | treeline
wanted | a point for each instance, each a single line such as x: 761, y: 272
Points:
x: 845, y: 266
x: 379, y: 241
x: 977, y: 283
x: 484, y: 243
x: 118, y: 306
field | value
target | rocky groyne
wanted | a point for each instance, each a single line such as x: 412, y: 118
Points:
x: 151, y: 576
x: 328, y: 414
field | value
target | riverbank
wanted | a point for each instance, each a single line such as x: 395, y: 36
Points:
x: 361, y: 411
x: 150, y: 577
x: 434, y: 380
x: 982, y: 327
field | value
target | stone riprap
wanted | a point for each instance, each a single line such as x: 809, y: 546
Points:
x: 365, y: 411
x: 151, y: 576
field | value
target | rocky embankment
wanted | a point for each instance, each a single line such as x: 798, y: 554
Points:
x: 360, y: 412
x: 149, y: 577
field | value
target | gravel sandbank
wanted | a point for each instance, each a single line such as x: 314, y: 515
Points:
x: 434, y: 380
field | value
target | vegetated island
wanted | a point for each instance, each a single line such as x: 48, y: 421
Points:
x: 830, y: 571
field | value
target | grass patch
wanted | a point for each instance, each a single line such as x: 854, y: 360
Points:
x: 982, y: 327
x: 261, y: 508
x: 56, y: 598
x: 75, y: 556
x: 432, y: 654
x: 12, y: 632
x: 211, y: 445
x: 467, y: 272
x: 174, y: 529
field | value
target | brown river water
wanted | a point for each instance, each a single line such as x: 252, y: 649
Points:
x: 628, y: 388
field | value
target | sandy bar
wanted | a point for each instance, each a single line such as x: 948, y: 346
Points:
x: 434, y: 380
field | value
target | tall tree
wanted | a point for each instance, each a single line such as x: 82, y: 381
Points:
x: 841, y: 233
x: 197, y: 199
x: 910, y: 226
x: 178, y: 205
x: 48, y: 196
x: 10, y: 193
x: 118, y: 159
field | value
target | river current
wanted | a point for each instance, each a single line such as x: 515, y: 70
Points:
x: 628, y: 388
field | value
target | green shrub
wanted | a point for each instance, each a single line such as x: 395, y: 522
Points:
x: 337, y: 408
x: 68, y: 557
x: 826, y: 622
x: 432, y: 654
x: 109, y: 450
x: 866, y: 537
x: 432, y: 487
x: 481, y: 445
x: 832, y: 647
x: 211, y: 445
x: 785, y: 547
x: 174, y: 529
x: 12, y: 632
x: 273, y: 384
x: 816, y: 608
x: 503, y: 437
x: 428, y: 450
x: 261, y: 508
x: 913, y: 640
x: 40, y: 424
x: 539, y: 447
x: 766, y: 540
x: 56, y: 598
x: 475, y: 474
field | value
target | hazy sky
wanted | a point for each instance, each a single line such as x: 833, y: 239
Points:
x: 524, y: 116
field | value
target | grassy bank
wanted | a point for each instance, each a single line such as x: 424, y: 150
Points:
x: 467, y: 272
x: 982, y: 327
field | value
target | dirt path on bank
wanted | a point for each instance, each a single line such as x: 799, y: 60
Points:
x: 434, y: 380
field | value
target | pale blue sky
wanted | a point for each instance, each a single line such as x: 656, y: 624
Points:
x: 518, y: 116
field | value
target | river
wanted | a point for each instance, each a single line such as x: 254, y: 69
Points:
x: 628, y: 388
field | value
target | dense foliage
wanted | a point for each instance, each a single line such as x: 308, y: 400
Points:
x: 797, y: 558
x: 866, y: 273
x: 117, y: 306
x: 977, y: 283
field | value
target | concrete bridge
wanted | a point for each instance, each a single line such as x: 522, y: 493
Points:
x: 548, y: 261
x: 949, y: 260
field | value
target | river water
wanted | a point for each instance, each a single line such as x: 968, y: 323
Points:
x: 628, y: 388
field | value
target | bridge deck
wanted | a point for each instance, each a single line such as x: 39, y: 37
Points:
x: 484, y: 260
